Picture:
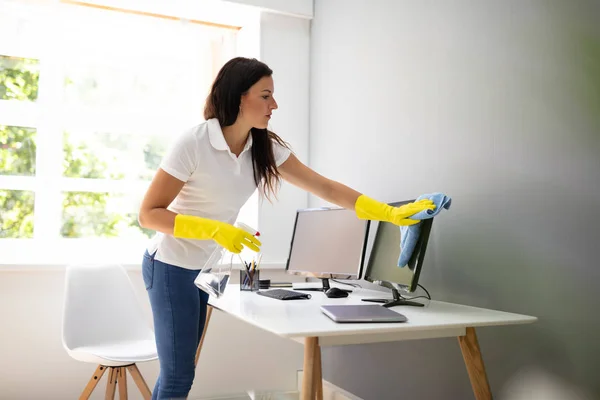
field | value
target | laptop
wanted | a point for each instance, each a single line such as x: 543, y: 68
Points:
x: 361, y: 313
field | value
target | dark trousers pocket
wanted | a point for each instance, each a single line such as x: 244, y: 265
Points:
x: 148, y: 270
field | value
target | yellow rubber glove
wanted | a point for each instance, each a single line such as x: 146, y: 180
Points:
x: 232, y: 238
x: 368, y: 208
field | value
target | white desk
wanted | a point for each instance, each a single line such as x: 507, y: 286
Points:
x: 302, y: 321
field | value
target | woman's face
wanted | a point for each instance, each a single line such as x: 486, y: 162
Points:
x: 258, y: 103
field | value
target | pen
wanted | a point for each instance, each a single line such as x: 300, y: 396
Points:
x: 246, y: 267
x: 252, y: 268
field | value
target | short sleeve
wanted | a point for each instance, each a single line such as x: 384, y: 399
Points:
x: 280, y: 153
x: 180, y: 160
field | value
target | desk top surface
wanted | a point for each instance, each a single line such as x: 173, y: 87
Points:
x: 303, y: 318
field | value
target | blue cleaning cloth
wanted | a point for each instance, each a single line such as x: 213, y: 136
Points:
x: 409, y: 235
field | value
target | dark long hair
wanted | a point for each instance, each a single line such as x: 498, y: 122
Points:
x: 223, y: 102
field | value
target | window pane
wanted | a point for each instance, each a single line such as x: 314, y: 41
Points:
x: 101, y: 215
x: 135, y: 84
x: 16, y: 217
x: 105, y: 155
x: 19, y: 78
x: 17, y: 150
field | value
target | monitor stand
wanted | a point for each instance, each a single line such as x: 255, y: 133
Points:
x: 324, y: 288
x: 397, y: 301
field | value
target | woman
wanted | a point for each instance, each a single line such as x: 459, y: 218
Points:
x: 196, y: 194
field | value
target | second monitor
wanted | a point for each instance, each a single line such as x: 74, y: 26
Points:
x: 327, y: 243
x: 382, y: 267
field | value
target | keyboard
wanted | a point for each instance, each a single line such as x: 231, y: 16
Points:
x: 283, y: 294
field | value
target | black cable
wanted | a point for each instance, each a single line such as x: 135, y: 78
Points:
x: 416, y: 297
x: 422, y: 287
x: 428, y: 297
x: 412, y: 298
x: 345, y: 283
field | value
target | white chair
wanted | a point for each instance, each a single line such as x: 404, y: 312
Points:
x: 103, y: 324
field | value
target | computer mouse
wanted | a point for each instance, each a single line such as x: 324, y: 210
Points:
x: 335, y: 293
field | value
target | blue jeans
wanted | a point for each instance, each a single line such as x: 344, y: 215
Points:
x: 179, y: 313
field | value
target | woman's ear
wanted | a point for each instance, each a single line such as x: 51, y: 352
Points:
x: 241, y: 104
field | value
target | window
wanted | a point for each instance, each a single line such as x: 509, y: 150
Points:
x: 86, y: 114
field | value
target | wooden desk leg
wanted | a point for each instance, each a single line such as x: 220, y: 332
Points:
x: 311, y: 345
x: 318, y: 373
x: 199, y: 349
x: 474, y: 363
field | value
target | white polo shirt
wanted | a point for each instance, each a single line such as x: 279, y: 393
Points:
x: 217, y: 185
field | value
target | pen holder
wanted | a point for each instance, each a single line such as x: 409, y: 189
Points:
x: 250, y: 280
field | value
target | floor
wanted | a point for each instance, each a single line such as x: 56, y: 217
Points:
x: 330, y: 392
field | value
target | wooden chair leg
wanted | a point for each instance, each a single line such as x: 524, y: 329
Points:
x: 89, y: 388
x: 122, y: 380
x: 199, y: 349
x: 111, y: 383
x: 139, y: 381
x: 469, y: 347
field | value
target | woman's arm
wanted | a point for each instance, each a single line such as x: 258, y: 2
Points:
x: 298, y: 174
x: 153, y: 212
x: 154, y: 215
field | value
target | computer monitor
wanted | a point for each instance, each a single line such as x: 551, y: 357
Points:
x: 382, y: 266
x: 327, y: 243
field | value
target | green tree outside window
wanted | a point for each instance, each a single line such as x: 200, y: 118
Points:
x: 85, y: 214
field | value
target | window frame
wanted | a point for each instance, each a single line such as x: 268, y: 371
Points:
x: 47, y: 248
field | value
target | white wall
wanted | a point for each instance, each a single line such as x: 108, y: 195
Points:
x: 285, y: 48
x: 296, y: 8
x: 496, y: 103
x: 33, y: 364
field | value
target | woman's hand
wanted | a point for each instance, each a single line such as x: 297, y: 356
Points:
x: 228, y: 236
x: 368, y: 208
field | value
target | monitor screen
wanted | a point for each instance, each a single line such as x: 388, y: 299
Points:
x: 327, y: 243
x: 382, y: 264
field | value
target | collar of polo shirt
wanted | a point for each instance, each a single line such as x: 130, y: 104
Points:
x: 217, y: 140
